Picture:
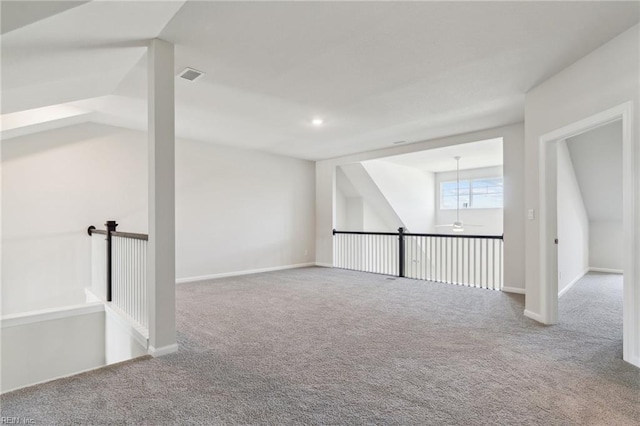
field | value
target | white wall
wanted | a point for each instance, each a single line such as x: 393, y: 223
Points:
x: 360, y: 206
x: 490, y: 219
x: 605, y: 78
x: 39, y: 351
x: 341, y: 210
x: 513, y: 217
x: 236, y: 209
x: 239, y: 210
x: 355, y: 214
x: 356, y: 182
x: 409, y: 191
x: 44, y: 345
x: 325, y: 211
x: 573, y: 223
x: 513, y: 145
x: 122, y: 340
x: 606, y: 245
x: 597, y: 161
x: 372, y: 221
x: 54, y: 185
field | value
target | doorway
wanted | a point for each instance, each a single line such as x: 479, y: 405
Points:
x: 589, y: 185
x: 549, y: 272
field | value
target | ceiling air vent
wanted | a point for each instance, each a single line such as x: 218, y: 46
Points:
x: 190, y: 74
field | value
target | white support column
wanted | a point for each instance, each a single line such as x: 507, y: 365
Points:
x: 161, y: 272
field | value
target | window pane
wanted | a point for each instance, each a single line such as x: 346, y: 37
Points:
x: 449, y: 194
x: 487, y: 201
x: 450, y: 202
x: 487, y: 193
x: 487, y: 182
x: 483, y: 193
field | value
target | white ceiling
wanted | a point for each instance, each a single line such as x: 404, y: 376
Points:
x: 472, y: 155
x: 378, y: 72
x: 17, y: 14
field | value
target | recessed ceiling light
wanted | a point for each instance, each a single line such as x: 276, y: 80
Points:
x: 317, y: 121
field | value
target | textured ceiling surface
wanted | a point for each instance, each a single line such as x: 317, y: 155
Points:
x: 377, y: 72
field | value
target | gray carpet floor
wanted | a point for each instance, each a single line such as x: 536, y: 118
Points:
x: 323, y: 346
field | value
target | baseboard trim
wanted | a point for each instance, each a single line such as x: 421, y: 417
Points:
x: 245, y: 272
x: 606, y: 270
x: 64, y: 376
x: 533, y: 316
x: 164, y: 350
x: 575, y: 280
x: 324, y: 265
x: 515, y: 290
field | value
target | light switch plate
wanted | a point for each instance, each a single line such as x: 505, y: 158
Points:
x: 531, y: 215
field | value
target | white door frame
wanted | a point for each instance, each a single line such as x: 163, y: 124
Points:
x: 548, y: 221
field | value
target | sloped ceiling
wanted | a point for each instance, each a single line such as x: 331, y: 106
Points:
x: 18, y: 14
x: 74, y: 53
x: 597, y: 162
x: 377, y: 72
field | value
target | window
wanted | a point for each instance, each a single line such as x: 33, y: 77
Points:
x: 482, y: 193
x: 449, y: 192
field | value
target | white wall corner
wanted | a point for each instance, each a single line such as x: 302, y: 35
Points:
x: 572, y: 282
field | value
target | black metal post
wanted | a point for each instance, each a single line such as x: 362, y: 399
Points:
x: 111, y: 227
x: 401, y: 252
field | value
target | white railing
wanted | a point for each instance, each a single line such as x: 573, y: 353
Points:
x: 129, y: 276
x: 119, y: 272
x: 368, y: 252
x: 470, y: 260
